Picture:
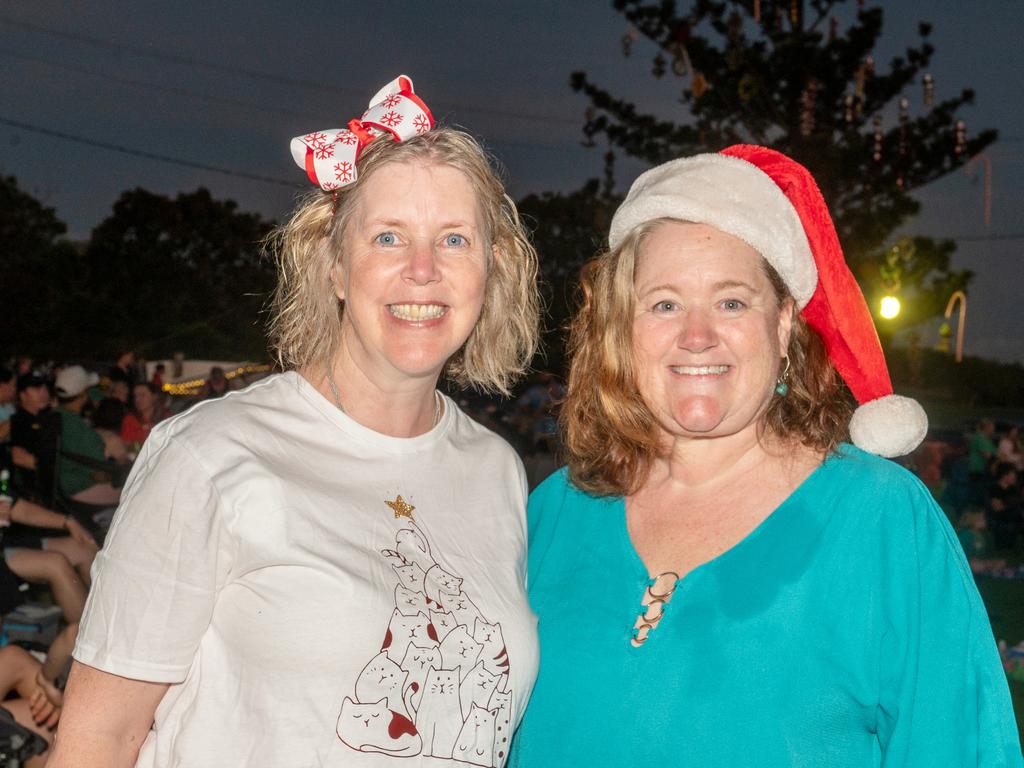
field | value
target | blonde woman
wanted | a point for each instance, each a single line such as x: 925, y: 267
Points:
x: 327, y: 567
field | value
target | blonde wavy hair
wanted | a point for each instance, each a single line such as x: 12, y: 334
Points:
x: 610, y: 435
x: 305, y: 313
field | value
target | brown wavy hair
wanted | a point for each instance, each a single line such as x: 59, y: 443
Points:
x: 610, y: 435
x: 305, y: 313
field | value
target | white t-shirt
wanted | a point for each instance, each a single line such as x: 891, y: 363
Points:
x: 318, y: 594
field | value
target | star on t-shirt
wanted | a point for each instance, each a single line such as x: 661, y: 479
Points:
x: 402, y: 509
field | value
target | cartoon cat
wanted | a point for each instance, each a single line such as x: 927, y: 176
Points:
x: 416, y: 662
x: 439, y: 585
x: 477, y: 686
x: 410, y: 576
x: 460, y: 650
x: 410, y: 603
x: 475, y: 742
x: 439, y: 717
x: 462, y: 607
x: 375, y: 728
x: 494, y: 654
x: 443, y: 623
x: 413, y: 548
x: 382, y: 680
x: 403, y: 630
x: 501, y: 702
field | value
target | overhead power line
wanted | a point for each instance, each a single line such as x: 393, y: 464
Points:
x: 146, y: 154
x: 254, y: 74
x: 151, y: 86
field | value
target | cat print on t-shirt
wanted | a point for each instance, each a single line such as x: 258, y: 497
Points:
x: 438, y: 685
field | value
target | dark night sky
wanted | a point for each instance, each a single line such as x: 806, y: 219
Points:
x: 227, y: 84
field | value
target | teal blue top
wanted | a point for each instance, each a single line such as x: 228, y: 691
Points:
x: 845, y: 630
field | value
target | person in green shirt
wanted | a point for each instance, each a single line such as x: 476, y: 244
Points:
x: 78, y: 481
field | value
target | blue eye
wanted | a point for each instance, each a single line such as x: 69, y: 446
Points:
x: 386, y: 238
x: 455, y: 240
x: 665, y: 306
x: 733, y: 305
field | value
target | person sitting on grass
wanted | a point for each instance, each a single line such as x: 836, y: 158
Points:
x: 37, y: 685
x: 78, y: 481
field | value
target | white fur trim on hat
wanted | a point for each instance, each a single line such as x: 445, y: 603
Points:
x: 889, y: 426
x: 729, y: 194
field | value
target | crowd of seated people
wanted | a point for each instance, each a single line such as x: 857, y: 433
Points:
x: 67, y: 438
x: 976, y: 476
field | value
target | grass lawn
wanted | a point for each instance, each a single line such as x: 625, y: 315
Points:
x: 1005, y: 602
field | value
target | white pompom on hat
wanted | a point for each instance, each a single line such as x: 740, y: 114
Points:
x: 772, y: 203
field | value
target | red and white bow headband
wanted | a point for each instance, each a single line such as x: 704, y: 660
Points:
x: 329, y: 157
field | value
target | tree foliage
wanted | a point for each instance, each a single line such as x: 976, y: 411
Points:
x: 183, y: 273
x: 791, y: 77
x: 159, y: 275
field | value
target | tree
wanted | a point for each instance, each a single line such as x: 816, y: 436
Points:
x: 785, y: 75
x: 567, y: 230
x: 166, y: 274
x: 36, y: 277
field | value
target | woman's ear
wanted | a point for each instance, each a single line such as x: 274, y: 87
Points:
x: 337, y: 273
x: 786, y: 313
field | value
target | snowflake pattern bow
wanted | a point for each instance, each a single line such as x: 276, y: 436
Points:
x: 329, y: 156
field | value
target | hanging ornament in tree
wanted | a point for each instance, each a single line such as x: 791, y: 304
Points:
x: 589, y: 129
x: 699, y: 85
x: 877, y: 154
x: 929, y: 89
x: 747, y: 87
x: 794, y: 12
x: 609, y: 173
x: 658, y: 70
x: 680, y: 60
x: 627, y: 41
x: 833, y: 29
x: 808, y: 102
x: 860, y: 78
x: 869, y: 66
x: 734, y: 24
x: 848, y: 108
x: 904, y: 117
x: 757, y: 10
x: 961, y: 138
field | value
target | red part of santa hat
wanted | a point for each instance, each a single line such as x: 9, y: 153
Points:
x: 738, y: 191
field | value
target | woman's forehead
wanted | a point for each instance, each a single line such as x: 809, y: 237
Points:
x: 692, y: 250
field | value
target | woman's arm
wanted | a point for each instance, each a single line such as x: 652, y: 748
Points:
x: 106, y: 718
x: 29, y: 513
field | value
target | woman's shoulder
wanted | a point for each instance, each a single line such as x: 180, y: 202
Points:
x: 558, y: 494
x: 230, y: 415
x: 886, y: 503
x: 864, y: 475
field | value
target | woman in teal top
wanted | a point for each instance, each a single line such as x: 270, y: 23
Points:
x: 720, y: 578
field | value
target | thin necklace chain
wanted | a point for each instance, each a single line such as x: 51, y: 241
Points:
x: 337, y: 399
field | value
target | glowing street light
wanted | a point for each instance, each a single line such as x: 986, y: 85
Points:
x: 889, y: 308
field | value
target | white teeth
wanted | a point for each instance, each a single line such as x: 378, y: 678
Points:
x: 700, y: 370
x: 417, y: 311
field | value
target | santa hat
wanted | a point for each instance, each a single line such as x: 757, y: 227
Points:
x: 773, y: 204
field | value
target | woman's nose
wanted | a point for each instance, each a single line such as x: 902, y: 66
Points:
x: 422, y: 267
x: 698, y: 332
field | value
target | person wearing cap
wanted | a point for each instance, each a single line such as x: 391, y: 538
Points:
x: 728, y: 573
x: 78, y: 481
x: 33, y: 424
x: 327, y: 568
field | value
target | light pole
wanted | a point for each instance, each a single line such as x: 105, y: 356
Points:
x: 961, y: 319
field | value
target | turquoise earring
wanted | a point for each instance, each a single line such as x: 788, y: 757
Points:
x: 781, y: 387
